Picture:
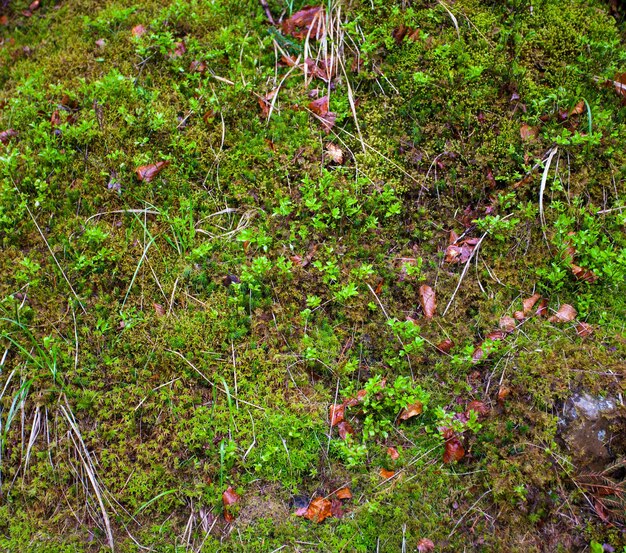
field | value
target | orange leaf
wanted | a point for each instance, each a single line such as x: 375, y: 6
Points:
x: 411, y: 411
x: 503, y: 393
x: 148, y: 172
x: 230, y: 497
x: 454, y: 450
x: 578, y: 108
x: 387, y: 474
x: 343, y: 493
x: 428, y: 300
x: 565, y: 314
x: 318, y: 510
x: 393, y: 453
x: 445, y: 346
x: 528, y: 303
x: 336, y: 413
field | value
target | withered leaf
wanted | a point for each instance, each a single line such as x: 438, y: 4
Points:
x: 478, y: 354
x: 336, y: 413
x: 565, y: 314
x: 159, y: 309
x: 230, y: 497
x: 496, y: 335
x: 335, y: 153
x: 344, y: 429
x: 583, y: 274
x: 319, y: 106
x: 318, y: 510
x: 578, y: 108
x: 542, y: 308
x: 393, y: 453
x: 147, y: 172
x: 336, y: 508
x: 503, y: 393
x: 343, y: 493
x: 6, y: 136
x: 619, y: 82
x: 445, y: 345
x: 178, y: 51
x: 387, y: 474
x: 411, y: 411
x: 584, y: 329
x: 360, y: 397
x: 478, y: 407
x: 428, y: 300
x: 528, y: 133
x: 309, y: 21
x: 454, y: 450
x: 528, y: 303
x: 507, y: 324
x: 425, y: 546
x: 265, y: 102
x: 55, y: 118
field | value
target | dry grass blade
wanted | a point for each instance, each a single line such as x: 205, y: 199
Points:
x: 542, y: 188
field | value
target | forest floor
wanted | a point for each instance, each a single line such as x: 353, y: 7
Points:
x: 338, y: 277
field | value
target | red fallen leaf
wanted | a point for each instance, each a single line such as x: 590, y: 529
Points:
x: 336, y: 508
x: 460, y: 252
x: 453, y: 238
x: 230, y: 497
x: 197, y: 66
x: 399, y: 33
x: 360, y: 396
x: 319, y: 106
x: 178, y: 51
x: 478, y: 354
x: 265, y: 103
x: 519, y: 315
x: 228, y: 517
x: 344, y: 429
x: 414, y: 35
x: 507, y: 324
x: 309, y: 21
x: 138, y: 30
x: 583, y: 274
x: 527, y: 132
x: 336, y: 413
x: 387, y: 474
x: 318, y: 510
x: 55, y: 118
x: 584, y: 329
x: 159, y: 309
x: 445, y: 345
x: 503, y: 393
x: 496, y: 335
x: 148, y: 172
x: 4, y: 20
x: 565, y: 314
x: 6, y: 136
x: 393, y: 453
x: 379, y: 287
x: 428, y: 300
x: 454, y: 450
x: 478, y: 407
x: 343, y: 493
x: 411, y: 411
x: 425, y: 546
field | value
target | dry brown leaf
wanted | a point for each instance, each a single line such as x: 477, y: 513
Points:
x: 503, y: 393
x: 319, y: 106
x: 477, y: 406
x: 318, y: 510
x: 496, y: 335
x: 335, y: 153
x: 425, y: 546
x: 507, y: 324
x: 584, y: 329
x: 583, y: 274
x: 528, y: 303
x: 565, y: 314
x: 387, y: 474
x: 265, y: 102
x: 344, y: 429
x: 478, y: 354
x: 230, y: 497
x: 336, y: 508
x: 528, y: 133
x: 337, y: 413
x: 542, y: 308
x: 578, y: 108
x: 343, y: 493
x: 411, y: 411
x: 445, y: 346
x: 393, y: 453
x: 147, y: 172
x: 428, y: 300
x: 159, y: 309
x: 309, y: 21
x: 178, y: 51
x: 454, y: 450
x: 619, y: 82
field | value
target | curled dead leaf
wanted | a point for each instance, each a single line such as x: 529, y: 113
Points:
x: 445, y: 346
x: 393, y: 453
x: 507, y: 324
x: 309, y: 21
x: 425, y: 546
x: 318, y: 510
x: 337, y: 413
x: 343, y: 493
x: 478, y: 407
x: 265, y: 103
x: 428, y: 300
x: 565, y: 314
x: 387, y: 474
x: 411, y: 411
x: 528, y: 303
x: 335, y: 153
x: 583, y: 274
x: 453, y: 450
x: 230, y: 497
x: 503, y: 393
x: 344, y: 429
x: 584, y: 329
x: 542, y: 308
x: 496, y: 335
x: 147, y: 172
x: 528, y: 133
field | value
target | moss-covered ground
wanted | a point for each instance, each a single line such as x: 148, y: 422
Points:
x: 162, y: 339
